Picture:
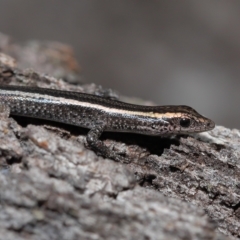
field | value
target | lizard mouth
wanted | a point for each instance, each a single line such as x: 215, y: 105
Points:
x: 210, y: 125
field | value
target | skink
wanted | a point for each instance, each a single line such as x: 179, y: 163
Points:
x: 101, y: 114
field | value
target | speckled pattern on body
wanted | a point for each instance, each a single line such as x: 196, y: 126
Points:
x: 101, y: 114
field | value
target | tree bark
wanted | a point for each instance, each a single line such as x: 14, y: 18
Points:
x: 53, y: 187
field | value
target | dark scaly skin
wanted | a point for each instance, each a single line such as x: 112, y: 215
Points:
x: 101, y: 114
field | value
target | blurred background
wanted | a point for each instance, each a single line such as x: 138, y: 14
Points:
x: 168, y: 51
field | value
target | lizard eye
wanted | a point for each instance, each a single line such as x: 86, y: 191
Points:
x: 185, y: 122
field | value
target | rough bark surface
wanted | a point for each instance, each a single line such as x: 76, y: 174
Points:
x: 53, y: 187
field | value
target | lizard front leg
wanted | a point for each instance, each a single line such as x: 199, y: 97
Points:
x: 99, y: 147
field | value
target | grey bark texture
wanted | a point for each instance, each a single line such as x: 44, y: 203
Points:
x: 53, y: 187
